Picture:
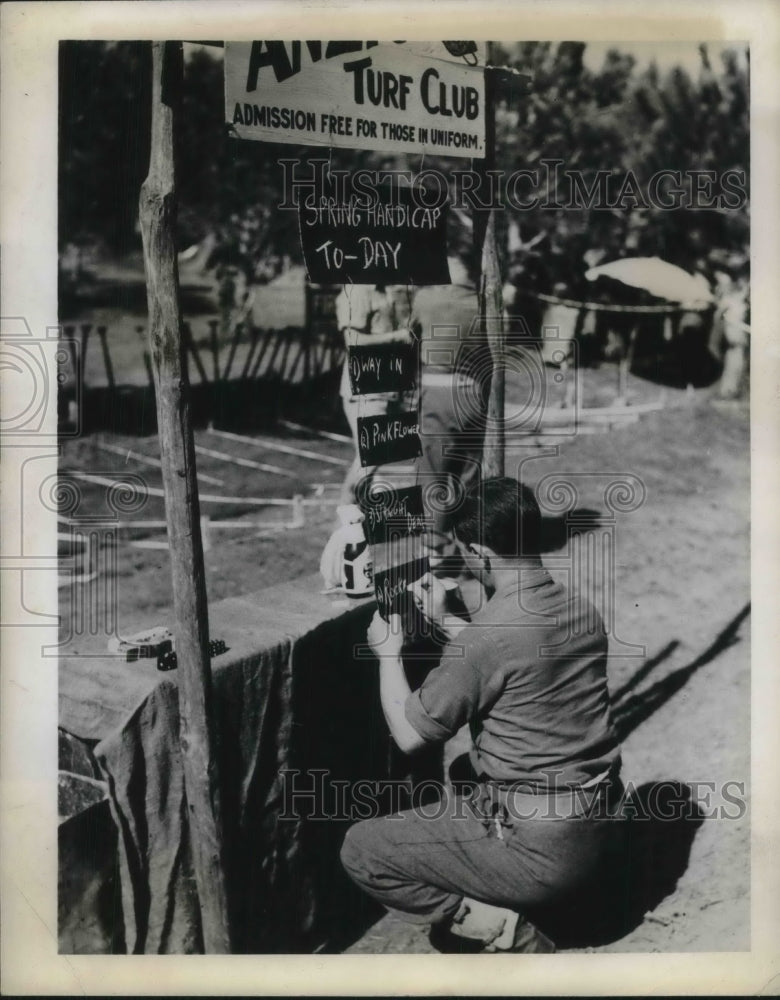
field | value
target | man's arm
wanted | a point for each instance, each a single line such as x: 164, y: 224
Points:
x: 386, y: 640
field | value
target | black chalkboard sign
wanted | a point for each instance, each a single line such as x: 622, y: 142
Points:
x: 384, y: 368
x: 389, y: 514
x: 391, y: 586
x: 384, y: 439
x: 380, y: 234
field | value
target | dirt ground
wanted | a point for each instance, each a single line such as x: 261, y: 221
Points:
x: 681, y: 591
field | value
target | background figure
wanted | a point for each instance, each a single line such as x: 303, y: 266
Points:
x: 558, y: 325
x: 363, y: 313
x: 455, y: 369
x: 694, y: 329
x: 732, y: 314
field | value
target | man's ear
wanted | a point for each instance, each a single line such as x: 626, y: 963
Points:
x: 482, y: 552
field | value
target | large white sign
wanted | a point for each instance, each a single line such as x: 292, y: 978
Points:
x: 402, y: 97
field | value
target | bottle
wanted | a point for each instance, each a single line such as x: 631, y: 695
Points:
x: 356, y: 564
x: 346, y: 559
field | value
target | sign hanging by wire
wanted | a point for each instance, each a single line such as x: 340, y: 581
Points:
x: 385, y: 234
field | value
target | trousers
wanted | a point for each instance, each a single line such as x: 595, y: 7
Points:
x: 420, y: 863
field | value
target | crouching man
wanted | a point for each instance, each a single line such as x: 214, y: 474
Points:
x: 534, y: 828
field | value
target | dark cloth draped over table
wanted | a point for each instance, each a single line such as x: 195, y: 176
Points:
x: 289, y: 695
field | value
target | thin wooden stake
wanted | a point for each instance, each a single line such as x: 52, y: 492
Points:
x: 269, y: 368
x: 201, y: 778
x: 214, y: 340
x: 269, y: 336
x: 147, y: 356
x: 238, y: 332
x: 85, y: 328
x: 285, y: 355
x: 308, y: 345
x: 191, y: 346
x: 255, y: 335
x: 102, y: 334
x: 296, y: 362
x: 68, y: 333
x: 491, y: 303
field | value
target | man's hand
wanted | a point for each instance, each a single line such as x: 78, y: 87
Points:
x: 430, y: 596
x: 435, y: 598
x: 386, y: 638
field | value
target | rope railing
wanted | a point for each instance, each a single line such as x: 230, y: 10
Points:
x: 605, y: 307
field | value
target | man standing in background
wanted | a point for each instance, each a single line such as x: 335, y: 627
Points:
x: 455, y: 367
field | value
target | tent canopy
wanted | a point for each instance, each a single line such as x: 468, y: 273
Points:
x: 658, y: 277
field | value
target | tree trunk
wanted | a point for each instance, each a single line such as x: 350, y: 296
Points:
x: 158, y: 216
x: 491, y: 300
x: 494, y: 446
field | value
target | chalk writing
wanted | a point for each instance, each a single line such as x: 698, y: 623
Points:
x: 391, y: 586
x: 350, y: 232
x: 384, y: 439
x: 393, y: 513
x: 384, y: 368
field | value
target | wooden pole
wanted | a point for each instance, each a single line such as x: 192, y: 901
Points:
x: 201, y: 780
x: 491, y: 303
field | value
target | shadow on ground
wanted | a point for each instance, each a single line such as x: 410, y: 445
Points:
x: 662, y: 819
x: 631, y: 710
x: 242, y: 404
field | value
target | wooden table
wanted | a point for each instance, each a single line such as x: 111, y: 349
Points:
x: 298, y: 719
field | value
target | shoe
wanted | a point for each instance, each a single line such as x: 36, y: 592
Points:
x: 443, y: 940
x: 522, y: 937
x: 480, y: 927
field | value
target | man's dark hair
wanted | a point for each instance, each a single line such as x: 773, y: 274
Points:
x: 503, y: 515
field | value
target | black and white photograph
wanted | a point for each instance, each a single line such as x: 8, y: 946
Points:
x: 378, y: 509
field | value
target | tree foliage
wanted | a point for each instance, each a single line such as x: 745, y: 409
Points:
x: 632, y: 125
x: 104, y: 102
x: 615, y: 119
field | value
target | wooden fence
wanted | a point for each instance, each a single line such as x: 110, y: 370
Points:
x: 249, y: 352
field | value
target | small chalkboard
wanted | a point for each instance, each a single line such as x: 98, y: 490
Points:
x: 382, y: 234
x: 390, y: 514
x: 383, y: 368
x: 385, y: 439
x: 391, y: 586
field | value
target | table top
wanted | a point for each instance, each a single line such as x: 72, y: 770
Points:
x: 98, y: 691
